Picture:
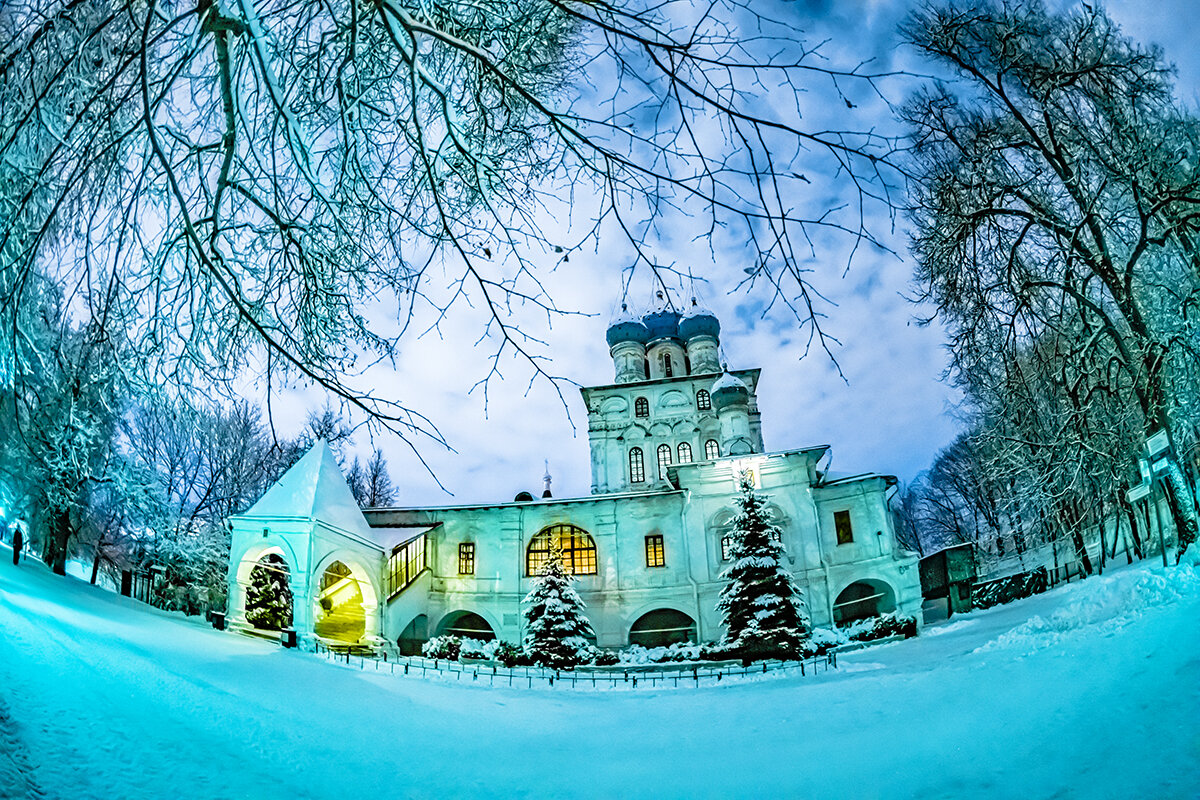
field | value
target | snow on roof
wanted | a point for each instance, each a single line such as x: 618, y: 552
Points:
x: 314, y: 487
x: 730, y: 380
x: 832, y: 478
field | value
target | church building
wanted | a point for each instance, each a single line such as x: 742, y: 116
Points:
x: 669, y: 437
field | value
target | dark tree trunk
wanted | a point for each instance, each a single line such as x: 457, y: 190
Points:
x: 1073, y: 519
x: 60, y: 536
x: 1085, y: 562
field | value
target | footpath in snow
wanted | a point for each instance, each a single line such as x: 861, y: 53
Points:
x: 1089, y: 691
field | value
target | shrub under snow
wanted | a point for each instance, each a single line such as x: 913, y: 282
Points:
x: 866, y: 630
x: 475, y: 648
x: 447, y: 647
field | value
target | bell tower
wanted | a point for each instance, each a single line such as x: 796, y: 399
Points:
x: 670, y: 401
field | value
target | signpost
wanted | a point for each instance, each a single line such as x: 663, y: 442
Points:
x: 1141, y: 492
x: 1157, y: 463
x: 1157, y: 443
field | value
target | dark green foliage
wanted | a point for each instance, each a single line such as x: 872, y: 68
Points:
x: 760, y: 604
x: 269, y: 598
x: 511, y: 655
x: 606, y: 658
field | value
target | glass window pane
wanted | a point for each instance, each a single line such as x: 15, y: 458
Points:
x: 654, y: 551
x: 664, y: 460
x: 841, y: 524
x: 578, y: 550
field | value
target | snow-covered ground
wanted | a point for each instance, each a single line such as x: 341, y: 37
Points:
x: 1092, y: 690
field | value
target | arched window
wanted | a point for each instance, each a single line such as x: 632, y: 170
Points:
x: 667, y: 371
x: 726, y: 547
x: 664, y: 459
x: 578, y: 550
x: 637, y: 467
x: 712, y: 449
x: 685, y: 453
x: 703, y: 400
x: 641, y: 407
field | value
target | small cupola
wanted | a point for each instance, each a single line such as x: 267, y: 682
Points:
x: 699, y: 321
x: 729, y: 390
x: 701, y: 330
x: 625, y: 327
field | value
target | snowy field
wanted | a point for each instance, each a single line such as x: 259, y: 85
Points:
x: 1092, y: 690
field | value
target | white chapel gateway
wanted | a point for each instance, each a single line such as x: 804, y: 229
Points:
x: 648, y: 546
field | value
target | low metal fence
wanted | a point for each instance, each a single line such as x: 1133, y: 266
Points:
x: 631, y: 677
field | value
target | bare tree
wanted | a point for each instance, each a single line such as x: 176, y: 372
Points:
x: 60, y: 418
x: 1054, y: 206
x: 377, y: 483
x: 249, y: 178
x: 909, y: 527
x: 205, y: 464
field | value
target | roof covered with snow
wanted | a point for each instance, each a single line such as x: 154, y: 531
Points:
x: 314, y: 487
x: 728, y: 381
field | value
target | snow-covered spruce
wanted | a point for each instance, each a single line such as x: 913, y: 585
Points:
x: 760, y: 604
x: 268, y: 597
x: 557, y: 632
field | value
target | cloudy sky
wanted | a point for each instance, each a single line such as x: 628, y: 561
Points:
x: 890, y: 413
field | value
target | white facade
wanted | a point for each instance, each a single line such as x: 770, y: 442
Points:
x: 668, y: 439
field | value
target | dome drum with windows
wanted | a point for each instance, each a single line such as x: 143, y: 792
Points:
x: 664, y: 342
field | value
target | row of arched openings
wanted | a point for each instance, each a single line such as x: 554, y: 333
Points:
x: 339, y: 612
x: 637, y: 459
x: 657, y: 628
x: 342, y: 618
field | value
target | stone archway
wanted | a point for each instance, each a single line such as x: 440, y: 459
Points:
x: 662, y: 627
x: 863, y: 599
x: 415, y: 634
x: 345, y: 601
x: 466, y: 624
x: 339, y: 611
x: 239, y: 578
x: 267, y: 591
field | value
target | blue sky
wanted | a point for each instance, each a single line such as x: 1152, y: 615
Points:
x: 891, y: 413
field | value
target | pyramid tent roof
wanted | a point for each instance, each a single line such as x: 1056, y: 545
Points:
x: 314, y: 487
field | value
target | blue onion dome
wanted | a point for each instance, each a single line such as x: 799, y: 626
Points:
x: 699, y: 321
x: 663, y: 321
x: 728, y: 391
x: 625, y: 327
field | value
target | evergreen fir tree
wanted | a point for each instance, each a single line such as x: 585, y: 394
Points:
x: 761, y: 603
x: 268, y: 597
x: 556, y: 629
